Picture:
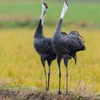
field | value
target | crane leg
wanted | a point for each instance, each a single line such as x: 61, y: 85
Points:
x: 43, y: 63
x: 59, y: 92
x: 66, y: 81
x: 45, y: 78
x: 48, y: 78
x: 58, y: 61
x: 66, y: 64
x: 49, y: 64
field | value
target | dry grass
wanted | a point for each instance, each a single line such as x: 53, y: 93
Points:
x: 21, y: 66
x: 10, y: 93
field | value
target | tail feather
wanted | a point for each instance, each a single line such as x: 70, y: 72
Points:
x: 75, y: 33
x: 79, y: 39
x: 75, y: 58
x: 63, y: 33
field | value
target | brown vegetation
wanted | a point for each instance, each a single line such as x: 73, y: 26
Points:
x: 42, y: 95
x: 81, y: 92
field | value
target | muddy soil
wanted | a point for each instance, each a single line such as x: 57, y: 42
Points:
x: 42, y: 95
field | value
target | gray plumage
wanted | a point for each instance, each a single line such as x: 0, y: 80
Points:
x: 44, y: 49
x: 66, y: 46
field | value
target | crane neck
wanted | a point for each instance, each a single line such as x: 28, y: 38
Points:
x: 39, y: 29
x: 65, y: 7
x: 42, y: 18
x: 59, y: 25
x: 58, y: 29
x: 42, y: 14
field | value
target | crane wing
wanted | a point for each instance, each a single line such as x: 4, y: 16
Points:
x: 74, y: 42
x: 64, y: 33
x: 76, y: 34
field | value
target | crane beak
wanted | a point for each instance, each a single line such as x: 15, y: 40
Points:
x: 43, y: 1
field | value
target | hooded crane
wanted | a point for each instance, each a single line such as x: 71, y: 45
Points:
x: 43, y: 45
x: 66, y: 46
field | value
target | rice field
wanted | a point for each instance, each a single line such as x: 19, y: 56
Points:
x: 21, y: 66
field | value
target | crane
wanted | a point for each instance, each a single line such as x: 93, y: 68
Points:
x: 65, y: 46
x: 43, y: 46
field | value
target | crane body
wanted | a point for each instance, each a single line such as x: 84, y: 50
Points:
x: 43, y: 46
x: 66, y: 46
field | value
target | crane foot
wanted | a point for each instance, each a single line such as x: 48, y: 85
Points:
x: 66, y: 93
x: 59, y: 92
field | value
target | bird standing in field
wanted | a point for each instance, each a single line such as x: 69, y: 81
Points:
x: 66, y: 46
x: 43, y: 46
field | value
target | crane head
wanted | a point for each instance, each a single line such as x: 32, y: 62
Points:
x: 44, y: 6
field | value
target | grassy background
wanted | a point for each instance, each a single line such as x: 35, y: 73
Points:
x: 27, y: 13
x: 19, y: 62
